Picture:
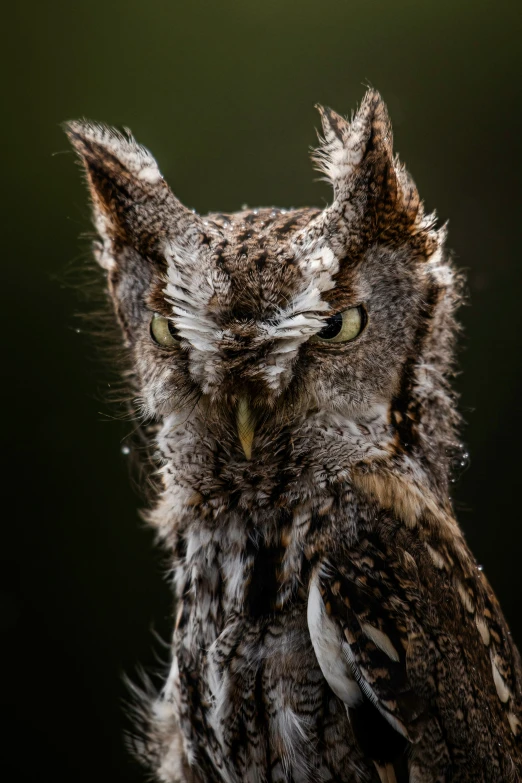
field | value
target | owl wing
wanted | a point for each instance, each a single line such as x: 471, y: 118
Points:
x: 406, y: 650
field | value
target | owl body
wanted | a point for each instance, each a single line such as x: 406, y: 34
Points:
x: 331, y: 622
x: 259, y: 689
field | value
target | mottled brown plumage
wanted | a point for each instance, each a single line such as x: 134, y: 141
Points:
x: 292, y: 370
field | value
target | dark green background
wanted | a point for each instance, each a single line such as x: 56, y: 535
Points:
x: 223, y: 93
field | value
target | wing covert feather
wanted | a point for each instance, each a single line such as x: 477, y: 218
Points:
x: 426, y: 645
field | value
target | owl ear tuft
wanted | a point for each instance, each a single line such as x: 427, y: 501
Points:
x: 103, y: 147
x: 345, y: 145
x: 374, y: 196
x: 133, y: 205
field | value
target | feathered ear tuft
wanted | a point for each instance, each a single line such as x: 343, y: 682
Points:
x: 375, y: 199
x: 133, y: 205
x: 345, y: 144
x: 99, y: 144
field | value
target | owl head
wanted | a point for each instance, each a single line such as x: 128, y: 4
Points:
x: 264, y: 324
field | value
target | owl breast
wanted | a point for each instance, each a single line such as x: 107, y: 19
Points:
x: 251, y: 699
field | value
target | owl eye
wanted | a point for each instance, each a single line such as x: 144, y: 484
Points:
x: 343, y: 327
x: 163, y: 331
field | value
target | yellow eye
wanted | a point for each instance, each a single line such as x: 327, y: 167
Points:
x: 343, y: 327
x: 163, y: 331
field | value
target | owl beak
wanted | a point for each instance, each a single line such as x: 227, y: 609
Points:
x: 246, y: 425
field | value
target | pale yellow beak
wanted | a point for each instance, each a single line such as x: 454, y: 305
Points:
x: 246, y: 425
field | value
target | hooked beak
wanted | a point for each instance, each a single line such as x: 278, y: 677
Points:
x: 246, y: 425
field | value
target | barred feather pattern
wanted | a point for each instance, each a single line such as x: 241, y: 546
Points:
x: 331, y: 623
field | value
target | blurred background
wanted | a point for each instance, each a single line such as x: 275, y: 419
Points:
x: 222, y: 92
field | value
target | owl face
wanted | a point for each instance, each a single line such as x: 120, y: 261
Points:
x: 276, y: 323
x: 258, y: 321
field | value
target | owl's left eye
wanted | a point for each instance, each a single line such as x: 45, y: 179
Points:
x: 163, y: 331
x: 343, y: 327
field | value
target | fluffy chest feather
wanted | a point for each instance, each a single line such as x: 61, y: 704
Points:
x: 248, y: 690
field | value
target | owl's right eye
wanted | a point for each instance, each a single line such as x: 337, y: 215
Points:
x: 163, y: 331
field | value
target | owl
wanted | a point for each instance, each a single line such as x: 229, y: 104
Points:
x: 291, y: 370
